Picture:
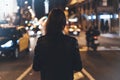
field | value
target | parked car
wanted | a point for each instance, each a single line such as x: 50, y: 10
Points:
x: 13, y: 41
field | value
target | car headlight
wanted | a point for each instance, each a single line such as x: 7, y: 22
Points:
x: 71, y: 29
x: 75, y: 33
x: 31, y: 33
x: 40, y: 27
x: 7, y: 44
x: 78, y: 30
x: 31, y: 27
x: 27, y: 28
x: 18, y: 41
x: 39, y: 32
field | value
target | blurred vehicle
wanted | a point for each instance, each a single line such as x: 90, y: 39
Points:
x: 72, y: 25
x: 3, y: 23
x: 34, y: 28
x: 35, y: 31
x: 93, y: 43
x: 13, y: 41
x: 92, y: 36
x: 73, y: 30
x: 42, y: 22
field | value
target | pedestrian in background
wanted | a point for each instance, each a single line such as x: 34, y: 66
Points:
x: 89, y: 35
x: 106, y: 26
x: 56, y: 55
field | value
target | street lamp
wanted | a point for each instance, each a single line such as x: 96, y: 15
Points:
x: 46, y: 4
x: 26, y: 2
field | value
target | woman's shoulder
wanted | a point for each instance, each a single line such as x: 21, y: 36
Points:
x: 70, y: 38
x: 65, y: 37
x: 41, y: 39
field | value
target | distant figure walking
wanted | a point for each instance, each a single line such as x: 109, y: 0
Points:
x: 106, y: 26
x: 102, y: 26
x: 56, y: 55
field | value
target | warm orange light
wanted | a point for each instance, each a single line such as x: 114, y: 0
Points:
x: 75, y: 1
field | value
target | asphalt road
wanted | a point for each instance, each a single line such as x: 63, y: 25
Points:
x: 101, y: 65
x: 12, y: 69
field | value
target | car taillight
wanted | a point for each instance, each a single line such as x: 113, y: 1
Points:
x: 95, y: 37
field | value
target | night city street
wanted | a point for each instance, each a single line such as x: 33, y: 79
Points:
x: 100, y: 65
x: 22, y: 22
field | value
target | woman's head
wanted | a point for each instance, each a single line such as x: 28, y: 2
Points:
x: 56, y: 21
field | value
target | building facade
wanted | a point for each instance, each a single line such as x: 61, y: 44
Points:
x: 102, y: 12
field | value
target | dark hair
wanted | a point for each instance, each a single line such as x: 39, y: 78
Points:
x: 56, y: 22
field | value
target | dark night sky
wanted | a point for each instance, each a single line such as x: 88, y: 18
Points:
x: 39, y: 5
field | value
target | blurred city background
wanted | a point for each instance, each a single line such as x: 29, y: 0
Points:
x: 23, y: 21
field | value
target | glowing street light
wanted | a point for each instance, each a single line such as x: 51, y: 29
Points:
x: 26, y: 2
x: 46, y: 4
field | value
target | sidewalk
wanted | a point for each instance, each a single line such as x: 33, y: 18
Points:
x: 110, y: 35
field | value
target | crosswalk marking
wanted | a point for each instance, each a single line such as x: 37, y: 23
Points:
x: 78, y: 75
x: 81, y: 75
x: 90, y: 77
x: 25, y: 73
x: 101, y: 48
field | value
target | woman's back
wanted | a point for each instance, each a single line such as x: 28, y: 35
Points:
x: 56, y: 57
x: 56, y: 54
